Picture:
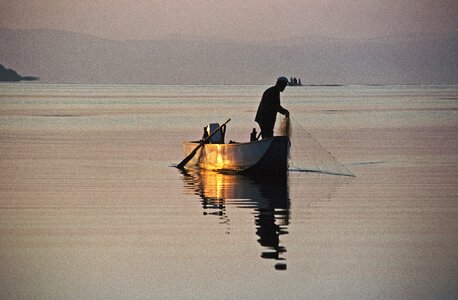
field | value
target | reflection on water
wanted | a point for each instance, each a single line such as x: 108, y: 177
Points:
x: 267, y: 197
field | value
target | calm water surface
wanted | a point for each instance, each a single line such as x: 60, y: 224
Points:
x: 90, y: 207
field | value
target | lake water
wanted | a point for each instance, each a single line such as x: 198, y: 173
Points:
x: 91, y: 207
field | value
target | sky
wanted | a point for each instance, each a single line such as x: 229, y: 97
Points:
x: 248, y: 20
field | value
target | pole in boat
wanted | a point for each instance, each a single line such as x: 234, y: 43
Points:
x: 191, y: 155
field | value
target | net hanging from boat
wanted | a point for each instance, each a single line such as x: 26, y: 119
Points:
x: 307, y: 154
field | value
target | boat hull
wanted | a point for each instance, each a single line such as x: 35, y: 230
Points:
x: 267, y: 156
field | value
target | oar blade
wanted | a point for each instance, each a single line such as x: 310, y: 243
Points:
x: 188, y: 158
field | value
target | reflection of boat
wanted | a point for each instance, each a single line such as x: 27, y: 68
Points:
x: 267, y: 156
x: 268, y: 198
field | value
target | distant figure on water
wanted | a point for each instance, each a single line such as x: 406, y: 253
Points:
x: 269, y: 106
x: 295, y: 82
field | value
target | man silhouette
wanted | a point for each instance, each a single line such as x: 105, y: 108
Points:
x: 269, y: 106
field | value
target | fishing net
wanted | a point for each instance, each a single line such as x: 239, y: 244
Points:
x: 285, y: 127
x: 307, y: 154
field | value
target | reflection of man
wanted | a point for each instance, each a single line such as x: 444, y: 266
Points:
x: 269, y: 233
x: 269, y: 106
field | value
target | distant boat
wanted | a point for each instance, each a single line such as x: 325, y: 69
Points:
x: 295, y: 82
x: 264, y: 157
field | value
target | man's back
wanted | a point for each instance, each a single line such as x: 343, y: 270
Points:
x: 268, y: 107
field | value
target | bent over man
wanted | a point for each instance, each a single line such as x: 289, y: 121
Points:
x: 269, y: 106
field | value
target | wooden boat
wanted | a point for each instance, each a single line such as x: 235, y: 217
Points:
x: 264, y: 157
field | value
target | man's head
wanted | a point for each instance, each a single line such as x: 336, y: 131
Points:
x: 282, y: 82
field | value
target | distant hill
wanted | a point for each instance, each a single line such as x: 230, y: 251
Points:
x: 11, y: 75
x: 65, y: 57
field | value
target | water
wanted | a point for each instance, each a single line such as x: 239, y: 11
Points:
x: 91, y: 209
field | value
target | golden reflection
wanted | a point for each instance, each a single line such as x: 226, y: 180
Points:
x: 216, y: 185
x: 219, y: 158
x: 267, y: 197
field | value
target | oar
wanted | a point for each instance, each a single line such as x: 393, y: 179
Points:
x: 191, y: 155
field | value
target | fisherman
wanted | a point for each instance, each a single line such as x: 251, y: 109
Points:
x: 269, y: 106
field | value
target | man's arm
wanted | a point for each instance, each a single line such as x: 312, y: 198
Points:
x: 283, y: 111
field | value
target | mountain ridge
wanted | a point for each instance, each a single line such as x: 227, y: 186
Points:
x: 67, y: 57
x: 10, y: 75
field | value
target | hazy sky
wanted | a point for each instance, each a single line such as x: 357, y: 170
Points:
x: 233, y: 19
